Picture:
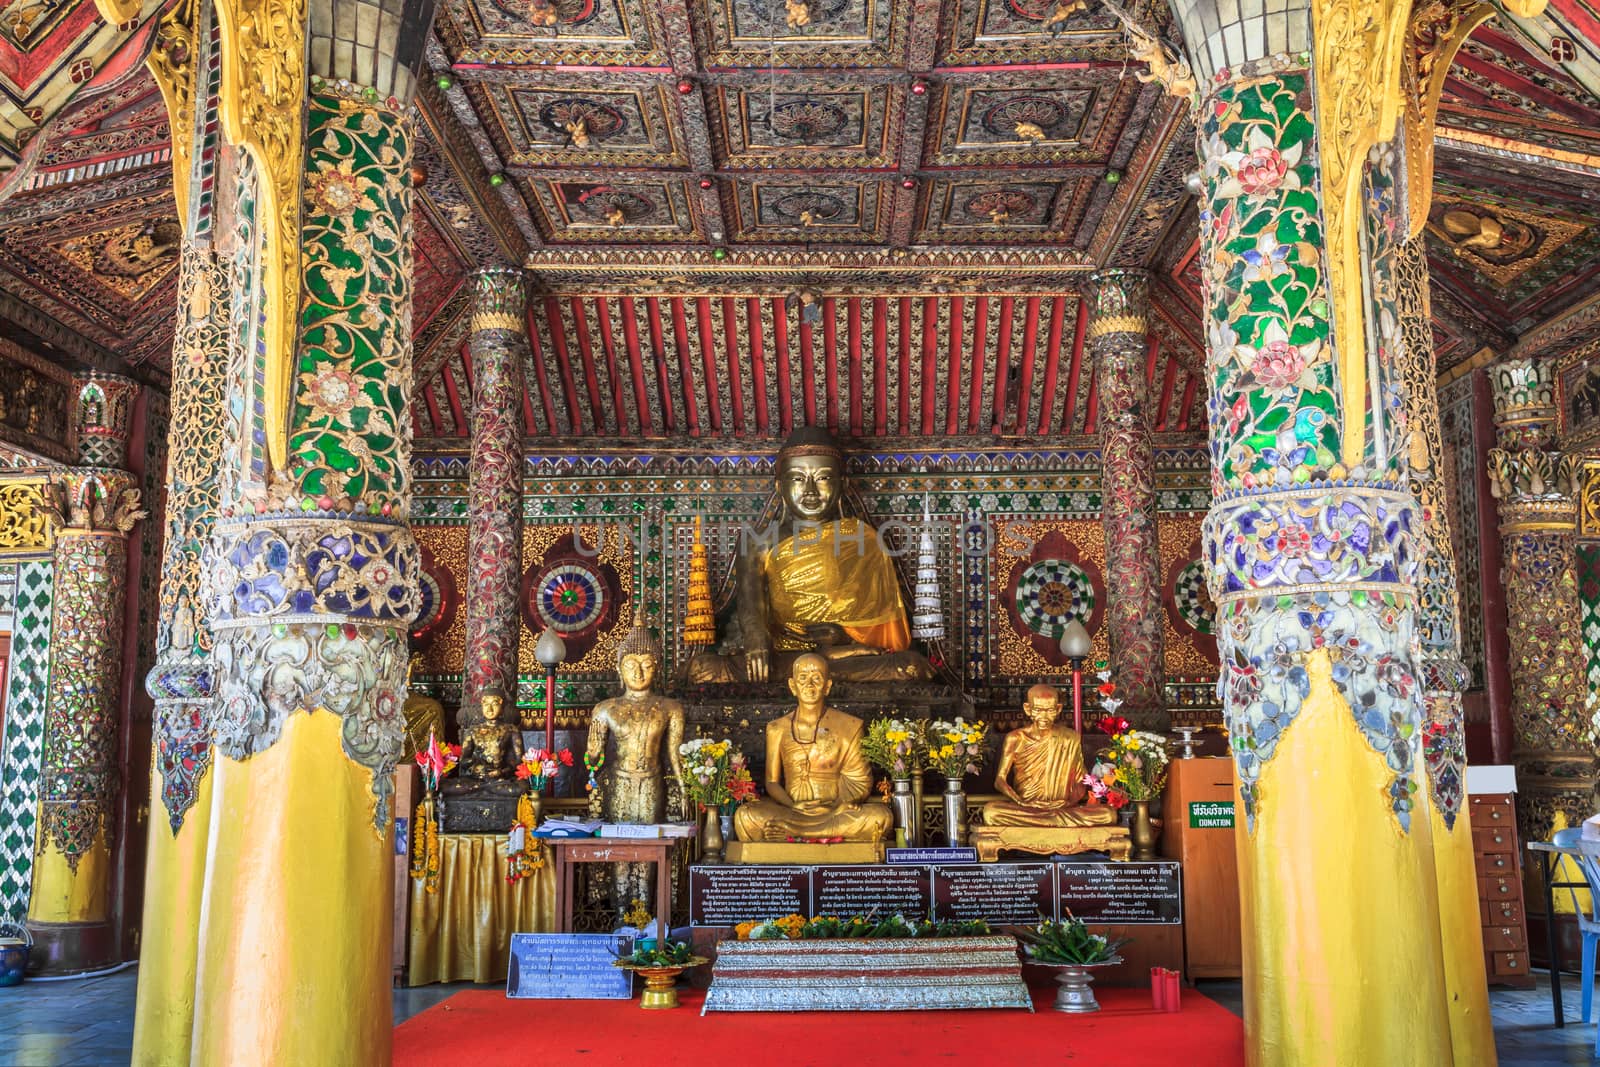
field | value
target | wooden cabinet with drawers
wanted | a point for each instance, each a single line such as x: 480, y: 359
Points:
x: 1499, y: 866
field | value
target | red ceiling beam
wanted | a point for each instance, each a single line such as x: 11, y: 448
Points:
x: 591, y: 372
x: 1030, y: 345
x: 1075, y: 370
x: 930, y: 360
x: 636, y: 356
x: 456, y: 411
x: 708, y: 361
x: 1002, y: 364
x: 541, y: 375
x: 780, y: 339
x: 730, y: 333
x: 958, y: 327
x: 680, y: 341
x: 758, y: 364
x: 830, y: 360
x: 658, y: 353
x: 980, y: 346
x: 1052, y: 366
x: 853, y: 329
x: 880, y: 365
x: 618, y: 411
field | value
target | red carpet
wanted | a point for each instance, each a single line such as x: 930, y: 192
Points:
x: 481, y: 1028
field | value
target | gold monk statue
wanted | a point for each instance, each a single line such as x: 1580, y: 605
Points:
x: 817, y: 774
x: 1045, y: 758
x: 641, y: 725
x: 491, y: 748
x: 824, y: 584
x: 424, y: 715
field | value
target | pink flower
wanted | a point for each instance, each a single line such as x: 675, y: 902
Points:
x: 1237, y: 414
x: 1262, y: 171
x: 1278, y: 365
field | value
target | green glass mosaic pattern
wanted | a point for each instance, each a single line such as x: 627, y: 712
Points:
x: 24, y: 736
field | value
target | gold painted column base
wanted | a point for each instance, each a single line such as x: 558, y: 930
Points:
x: 1342, y: 955
x: 1461, y: 927
x: 68, y: 910
x: 174, y: 885
x: 298, y: 919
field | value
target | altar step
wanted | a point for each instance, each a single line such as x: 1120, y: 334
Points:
x: 858, y: 974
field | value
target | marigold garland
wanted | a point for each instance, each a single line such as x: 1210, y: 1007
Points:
x: 425, y: 846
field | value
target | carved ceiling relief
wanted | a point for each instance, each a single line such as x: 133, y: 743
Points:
x: 129, y: 260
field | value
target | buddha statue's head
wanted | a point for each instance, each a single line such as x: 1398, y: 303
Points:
x: 638, y: 657
x: 808, y: 678
x: 1043, y: 706
x: 493, y: 704
x: 810, y: 475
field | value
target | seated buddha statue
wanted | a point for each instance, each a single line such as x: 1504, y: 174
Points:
x: 817, y: 773
x: 823, y: 584
x: 1041, y: 771
x: 490, y: 749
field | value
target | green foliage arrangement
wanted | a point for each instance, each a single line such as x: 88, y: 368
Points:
x: 1068, y: 942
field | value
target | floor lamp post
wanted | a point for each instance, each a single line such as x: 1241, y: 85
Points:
x: 1076, y: 646
x: 550, y: 652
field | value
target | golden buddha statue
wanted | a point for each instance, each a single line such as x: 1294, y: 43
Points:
x: 817, y: 774
x: 823, y: 585
x: 1045, y: 758
x: 424, y: 715
x: 639, y: 786
x: 490, y: 749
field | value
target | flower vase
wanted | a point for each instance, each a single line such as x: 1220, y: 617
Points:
x: 725, y: 820
x: 917, y: 788
x: 1142, y: 832
x: 907, y: 814
x: 535, y: 808
x: 711, y: 839
x: 955, y: 812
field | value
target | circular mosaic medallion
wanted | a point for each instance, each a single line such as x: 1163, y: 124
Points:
x: 438, y: 600
x: 1193, y: 599
x: 569, y: 597
x: 1051, y: 593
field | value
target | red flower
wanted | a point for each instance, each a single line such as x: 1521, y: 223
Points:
x: 524, y: 770
x: 566, y: 757
x: 1107, y: 689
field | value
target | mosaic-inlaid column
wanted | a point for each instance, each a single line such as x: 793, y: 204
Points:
x: 494, y: 509
x: 1444, y: 676
x: 1312, y: 548
x: 313, y: 568
x: 91, y: 508
x: 1536, y: 488
x: 1116, y: 335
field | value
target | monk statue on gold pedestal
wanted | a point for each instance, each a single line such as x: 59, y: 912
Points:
x: 821, y: 583
x: 639, y: 785
x: 1041, y: 778
x: 491, y: 749
x: 817, y: 773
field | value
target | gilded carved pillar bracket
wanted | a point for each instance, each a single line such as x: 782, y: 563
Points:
x: 171, y: 62
x: 261, y: 107
x: 24, y: 526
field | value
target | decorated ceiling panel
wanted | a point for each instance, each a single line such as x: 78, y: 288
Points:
x: 755, y: 365
x: 1508, y: 87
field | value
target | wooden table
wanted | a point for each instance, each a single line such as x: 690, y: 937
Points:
x: 571, y: 851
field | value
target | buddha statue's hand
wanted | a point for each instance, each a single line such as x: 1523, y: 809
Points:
x: 826, y: 635
x: 755, y: 664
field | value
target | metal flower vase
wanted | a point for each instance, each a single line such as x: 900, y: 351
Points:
x: 535, y: 806
x: 1074, y: 993
x: 711, y: 839
x: 1142, y: 832
x: 955, y: 812
x: 907, y: 812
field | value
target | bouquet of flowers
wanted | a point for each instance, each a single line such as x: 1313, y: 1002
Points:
x: 715, y: 773
x: 437, y: 761
x: 1135, y: 762
x: 956, y: 748
x: 897, y: 747
x: 541, y: 765
x: 1103, y: 789
x: 1110, y: 722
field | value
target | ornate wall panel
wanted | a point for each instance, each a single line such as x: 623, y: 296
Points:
x: 645, y: 510
x: 22, y: 750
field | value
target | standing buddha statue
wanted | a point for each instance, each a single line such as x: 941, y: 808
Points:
x: 823, y: 585
x: 641, y: 725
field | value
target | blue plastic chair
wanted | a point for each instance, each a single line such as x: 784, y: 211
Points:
x: 1588, y: 924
